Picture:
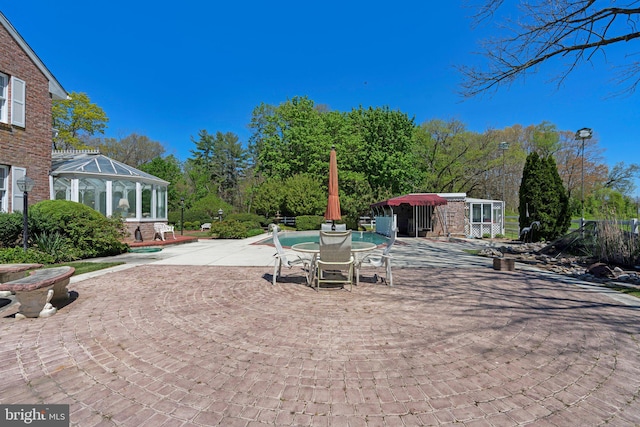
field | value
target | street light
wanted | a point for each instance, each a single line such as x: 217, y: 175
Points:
x: 584, y: 133
x: 25, y: 184
x: 220, y: 212
x: 504, y: 146
x: 181, y: 216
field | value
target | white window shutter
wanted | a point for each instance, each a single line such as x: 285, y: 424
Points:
x: 17, y: 203
x: 18, y: 97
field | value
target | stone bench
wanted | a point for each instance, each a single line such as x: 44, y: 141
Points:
x: 205, y: 226
x: 39, y: 289
x: 9, y: 272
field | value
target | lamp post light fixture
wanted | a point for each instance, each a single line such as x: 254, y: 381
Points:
x: 504, y: 146
x: 181, y: 216
x: 584, y: 133
x: 220, y: 212
x: 25, y: 184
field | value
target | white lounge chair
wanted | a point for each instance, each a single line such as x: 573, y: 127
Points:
x: 282, y: 260
x: 384, y: 260
x: 335, y: 262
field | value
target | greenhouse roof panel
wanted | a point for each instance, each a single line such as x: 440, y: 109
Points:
x: 94, y: 163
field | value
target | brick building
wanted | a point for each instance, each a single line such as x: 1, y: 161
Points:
x: 27, y: 89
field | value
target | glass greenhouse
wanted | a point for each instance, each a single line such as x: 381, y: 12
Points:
x: 108, y: 186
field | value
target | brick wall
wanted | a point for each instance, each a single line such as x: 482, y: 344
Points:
x: 146, y: 228
x: 453, y: 213
x: 28, y: 147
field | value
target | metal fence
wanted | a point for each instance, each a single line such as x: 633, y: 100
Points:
x: 512, y: 226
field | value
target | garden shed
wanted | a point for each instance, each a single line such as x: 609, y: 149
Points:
x: 412, y: 214
x: 440, y: 214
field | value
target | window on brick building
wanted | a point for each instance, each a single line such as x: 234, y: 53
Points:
x: 4, y: 89
x: 16, y: 98
x: 4, y: 173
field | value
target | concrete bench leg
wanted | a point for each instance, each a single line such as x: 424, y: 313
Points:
x: 32, y: 303
x: 60, y: 292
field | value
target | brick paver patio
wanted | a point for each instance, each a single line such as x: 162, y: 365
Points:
x: 184, y: 345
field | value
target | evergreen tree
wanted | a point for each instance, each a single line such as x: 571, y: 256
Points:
x: 543, y: 199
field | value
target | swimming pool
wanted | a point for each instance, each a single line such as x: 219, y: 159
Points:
x: 290, y: 238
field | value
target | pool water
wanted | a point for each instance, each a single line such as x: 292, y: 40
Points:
x: 291, y: 238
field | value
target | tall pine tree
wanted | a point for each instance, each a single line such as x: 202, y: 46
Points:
x: 543, y: 198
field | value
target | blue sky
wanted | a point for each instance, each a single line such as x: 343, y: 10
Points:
x: 169, y: 69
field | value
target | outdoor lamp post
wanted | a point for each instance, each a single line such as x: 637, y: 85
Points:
x: 504, y: 146
x: 25, y: 184
x: 220, y: 212
x: 584, y: 133
x: 181, y: 216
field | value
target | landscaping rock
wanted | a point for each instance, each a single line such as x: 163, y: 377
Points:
x: 600, y: 269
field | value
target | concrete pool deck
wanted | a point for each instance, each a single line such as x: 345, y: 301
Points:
x: 196, y: 335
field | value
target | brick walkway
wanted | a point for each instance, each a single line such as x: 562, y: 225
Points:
x: 183, y: 345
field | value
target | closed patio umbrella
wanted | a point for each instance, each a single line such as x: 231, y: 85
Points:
x: 333, y: 203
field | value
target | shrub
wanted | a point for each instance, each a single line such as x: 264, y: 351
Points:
x: 255, y: 232
x: 87, y: 231
x: 309, y: 222
x: 229, y: 230
x: 253, y: 220
x: 191, y: 225
x: 56, y: 245
x: 18, y: 255
x: 352, y: 223
x: 10, y: 229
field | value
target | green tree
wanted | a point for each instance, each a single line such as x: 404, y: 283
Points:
x: 289, y: 139
x: 268, y: 197
x: 76, y: 119
x: 169, y: 169
x: 198, y: 181
x: 543, y: 199
x: 222, y: 158
x: 545, y: 139
x: 383, y: 149
x: 374, y: 148
x: 304, y: 195
x: 452, y: 159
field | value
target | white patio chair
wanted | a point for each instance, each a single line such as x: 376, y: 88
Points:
x: 327, y: 227
x: 384, y: 260
x: 282, y: 260
x: 335, y: 262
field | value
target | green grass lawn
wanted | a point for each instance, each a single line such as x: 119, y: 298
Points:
x: 625, y: 290
x: 86, y: 266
